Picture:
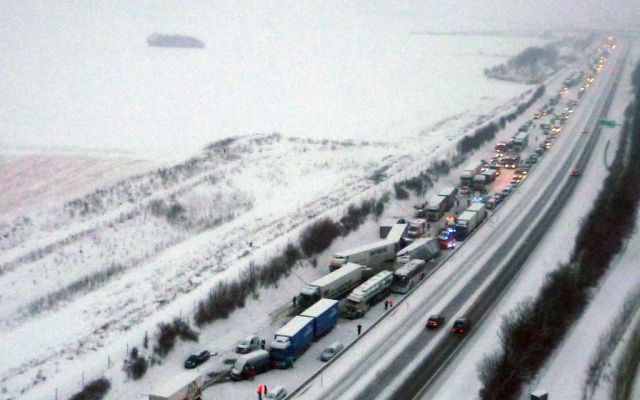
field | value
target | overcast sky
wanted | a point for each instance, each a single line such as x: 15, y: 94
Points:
x: 519, y: 14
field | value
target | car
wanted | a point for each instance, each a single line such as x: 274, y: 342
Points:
x: 498, y: 198
x: 507, y: 191
x: 491, y: 203
x: 196, y: 359
x: 460, y: 326
x: 526, y: 169
x: 539, y: 152
x: 276, y: 393
x: 575, y: 172
x: 330, y: 352
x: 434, y: 321
x: 533, y: 158
x: 247, y: 345
x: 585, y: 131
x: 464, y: 190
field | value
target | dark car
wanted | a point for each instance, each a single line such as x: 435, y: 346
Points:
x: 196, y: 359
x: 434, y: 321
x: 575, y: 172
x: 460, y: 326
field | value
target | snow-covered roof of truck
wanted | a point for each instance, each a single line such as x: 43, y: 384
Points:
x: 319, y: 308
x: 476, y: 207
x: 294, y: 326
x: 172, y: 385
x: 415, y: 245
x: 346, y: 269
x: 365, y: 247
x: 467, y: 215
x: 447, y: 191
x: 395, y: 234
x: 371, y: 285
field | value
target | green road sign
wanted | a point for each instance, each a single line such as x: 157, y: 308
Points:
x: 607, y: 122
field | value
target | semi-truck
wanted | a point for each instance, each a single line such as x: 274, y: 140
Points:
x: 520, y: 141
x: 290, y: 341
x: 372, y: 254
x: 370, y: 292
x: 469, y: 171
x: 470, y: 219
x: 417, y: 228
x: 332, y: 286
x: 421, y: 249
x: 183, y: 386
x: 436, y: 207
x: 325, y: 315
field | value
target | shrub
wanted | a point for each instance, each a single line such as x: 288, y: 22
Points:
x: 94, y: 390
x: 318, y: 236
x: 538, y: 328
x: 168, y: 333
x: 401, y: 193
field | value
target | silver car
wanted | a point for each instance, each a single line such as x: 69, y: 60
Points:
x: 277, y: 393
x: 330, y: 352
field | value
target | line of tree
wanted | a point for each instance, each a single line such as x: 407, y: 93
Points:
x: 531, y: 332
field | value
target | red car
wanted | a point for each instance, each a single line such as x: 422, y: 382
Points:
x: 575, y: 172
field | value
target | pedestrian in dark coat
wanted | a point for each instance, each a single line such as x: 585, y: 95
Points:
x: 359, y: 329
x: 386, y: 305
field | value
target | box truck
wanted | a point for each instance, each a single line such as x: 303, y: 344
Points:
x: 325, y: 315
x: 183, y: 386
x: 335, y: 285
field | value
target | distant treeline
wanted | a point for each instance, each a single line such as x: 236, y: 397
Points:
x: 531, y: 333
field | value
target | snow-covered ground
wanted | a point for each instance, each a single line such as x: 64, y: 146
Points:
x: 347, y: 97
x: 565, y: 375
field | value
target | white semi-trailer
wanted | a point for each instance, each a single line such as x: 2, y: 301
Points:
x: 183, y: 386
x: 332, y: 286
x: 421, y: 249
x: 470, y: 219
x: 372, y: 254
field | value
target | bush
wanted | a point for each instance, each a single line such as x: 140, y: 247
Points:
x: 168, y: 333
x: 94, y: 390
x: 530, y: 335
x: 319, y: 236
x: 401, y: 193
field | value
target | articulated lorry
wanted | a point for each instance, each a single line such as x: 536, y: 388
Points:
x: 325, y: 315
x: 469, y: 171
x: 372, y: 254
x: 183, y: 386
x: 436, y: 206
x: 293, y: 339
x: 335, y: 285
x: 364, y: 296
x: 421, y: 249
x: 470, y: 219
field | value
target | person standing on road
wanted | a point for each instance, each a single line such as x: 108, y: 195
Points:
x: 294, y: 300
x: 386, y: 305
x: 259, y: 392
x: 359, y: 329
x: 391, y: 303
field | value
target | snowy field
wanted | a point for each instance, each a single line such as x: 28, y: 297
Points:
x: 345, y: 97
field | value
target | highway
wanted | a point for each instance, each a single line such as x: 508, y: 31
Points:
x: 398, y: 359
